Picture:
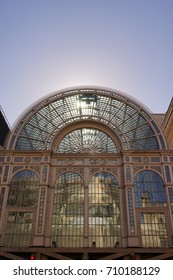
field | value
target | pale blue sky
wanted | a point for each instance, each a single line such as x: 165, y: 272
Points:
x: 46, y: 45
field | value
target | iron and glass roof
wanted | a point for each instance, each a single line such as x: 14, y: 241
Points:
x: 39, y: 125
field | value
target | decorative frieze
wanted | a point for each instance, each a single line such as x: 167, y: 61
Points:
x: 27, y: 160
x: 36, y: 159
x: 146, y: 160
x: 61, y: 161
x: 2, y: 159
x: 92, y: 161
x: 18, y: 159
x: 155, y: 159
x: 78, y: 161
x: 111, y: 161
x: 137, y: 159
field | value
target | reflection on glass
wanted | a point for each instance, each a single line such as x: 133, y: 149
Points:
x: 149, y: 190
x: 68, y: 211
x: 149, y: 197
x: 153, y: 230
x: 18, y: 232
x: 23, y: 191
x: 104, y: 213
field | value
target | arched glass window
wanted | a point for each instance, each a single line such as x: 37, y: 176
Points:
x: 104, y: 211
x: 149, y: 189
x: 23, y: 191
x: 149, y: 197
x: 89, y: 139
x: 68, y: 211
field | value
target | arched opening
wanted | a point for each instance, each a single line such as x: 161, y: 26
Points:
x: 21, y: 206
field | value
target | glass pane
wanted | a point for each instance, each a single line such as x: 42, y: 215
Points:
x: 68, y: 211
x: 104, y: 212
x: 153, y: 230
x: 18, y: 231
x: 149, y: 190
x: 23, y: 191
x: 125, y: 117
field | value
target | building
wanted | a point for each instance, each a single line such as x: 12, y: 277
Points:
x: 86, y: 173
x: 4, y: 127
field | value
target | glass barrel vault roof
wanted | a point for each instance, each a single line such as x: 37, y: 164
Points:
x: 135, y: 127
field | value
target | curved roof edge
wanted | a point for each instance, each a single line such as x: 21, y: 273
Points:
x: 94, y: 87
x: 41, y: 139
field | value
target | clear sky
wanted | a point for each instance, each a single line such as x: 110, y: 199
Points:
x: 46, y: 45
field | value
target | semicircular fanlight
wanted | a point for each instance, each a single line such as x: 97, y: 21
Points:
x: 87, y: 139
